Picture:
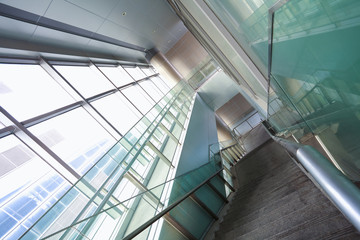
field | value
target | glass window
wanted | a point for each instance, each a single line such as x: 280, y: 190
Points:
x: 27, y: 91
x: 1, y: 125
x: 148, y: 71
x: 117, y: 75
x: 139, y: 98
x: 135, y: 72
x: 75, y: 137
x: 86, y: 80
x: 15, y: 158
x: 32, y: 189
x: 152, y: 90
x: 160, y: 84
x: 118, y: 110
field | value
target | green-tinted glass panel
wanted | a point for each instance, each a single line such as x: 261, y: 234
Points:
x: 191, y: 216
x: 316, y: 64
x: 169, y: 232
x: 205, y: 193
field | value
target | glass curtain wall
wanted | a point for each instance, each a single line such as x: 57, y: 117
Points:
x: 144, y: 158
x: 57, y: 121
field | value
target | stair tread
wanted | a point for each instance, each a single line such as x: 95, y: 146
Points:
x: 276, y: 200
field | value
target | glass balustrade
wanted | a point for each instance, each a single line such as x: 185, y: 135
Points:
x: 203, y: 73
x: 315, y: 77
x: 117, y: 219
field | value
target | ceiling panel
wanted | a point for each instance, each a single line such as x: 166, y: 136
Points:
x: 35, y: 6
x: 131, y: 16
x: 153, y: 20
x: 100, y: 8
x: 123, y: 34
x: 144, y: 23
x: 175, y: 27
x: 68, y: 13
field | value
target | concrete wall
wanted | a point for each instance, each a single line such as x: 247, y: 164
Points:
x: 223, y: 130
x: 186, y: 54
x: 200, y: 134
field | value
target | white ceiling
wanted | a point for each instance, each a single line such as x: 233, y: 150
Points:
x: 144, y: 23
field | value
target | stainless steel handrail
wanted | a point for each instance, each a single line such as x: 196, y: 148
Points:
x: 338, y: 188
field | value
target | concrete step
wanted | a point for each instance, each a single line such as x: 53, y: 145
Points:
x: 270, y: 186
x: 276, y: 200
x: 272, y: 210
x: 338, y: 225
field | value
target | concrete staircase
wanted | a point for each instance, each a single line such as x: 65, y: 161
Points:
x: 276, y: 200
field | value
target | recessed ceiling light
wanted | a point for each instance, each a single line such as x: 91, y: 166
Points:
x: 124, y: 13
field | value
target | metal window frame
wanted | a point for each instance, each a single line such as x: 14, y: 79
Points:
x: 20, y: 129
x: 16, y: 127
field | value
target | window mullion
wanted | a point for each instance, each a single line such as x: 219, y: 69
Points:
x: 118, y: 88
x: 43, y: 151
x: 76, y: 95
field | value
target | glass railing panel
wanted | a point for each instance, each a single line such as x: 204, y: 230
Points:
x: 226, y: 175
x: 314, y: 62
x: 228, y: 143
x: 169, y: 232
x: 283, y: 115
x: 202, y: 73
x: 228, y: 191
x: 219, y: 185
x: 117, y: 219
x: 215, y: 148
x: 248, y: 23
x: 205, y: 193
x: 145, y: 209
x: 192, y: 217
x: 157, y: 177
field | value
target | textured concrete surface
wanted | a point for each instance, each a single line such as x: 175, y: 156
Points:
x: 276, y: 200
